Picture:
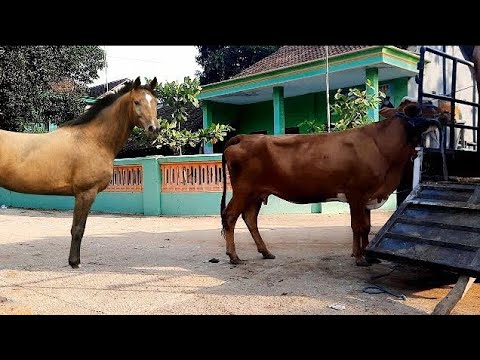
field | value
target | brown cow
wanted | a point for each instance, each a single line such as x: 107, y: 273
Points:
x: 362, y: 166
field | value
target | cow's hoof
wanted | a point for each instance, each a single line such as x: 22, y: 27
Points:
x: 373, y: 260
x: 362, y: 262
x: 237, y: 261
x: 268, y: 255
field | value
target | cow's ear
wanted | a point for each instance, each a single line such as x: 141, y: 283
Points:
x: 387, y: 112
x: 412, y: 110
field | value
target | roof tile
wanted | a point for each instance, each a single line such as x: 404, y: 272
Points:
x: 293, y: 55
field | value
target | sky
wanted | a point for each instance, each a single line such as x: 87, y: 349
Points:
x: 167, y: 63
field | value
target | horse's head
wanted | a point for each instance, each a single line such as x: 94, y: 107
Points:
x: 144, y: 103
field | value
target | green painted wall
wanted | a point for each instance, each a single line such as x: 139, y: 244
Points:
x: 184, y: 204
x: 399, y: 89
x: 259, y: 116
x: 187, y: 204
x: 50, y: 202
x: 110, y: 202
x: 298, y: 109
x: 256, y: 117
x: 115, y: 202
x: 153, y: 202
x: 225, y: 113
x: 337, y: 207
x: 279, y: 206
x: 5, y: 197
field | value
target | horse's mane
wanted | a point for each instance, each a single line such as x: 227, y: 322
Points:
x: 103, y: 103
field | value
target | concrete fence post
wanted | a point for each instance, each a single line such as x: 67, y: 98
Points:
x: 151, y: 186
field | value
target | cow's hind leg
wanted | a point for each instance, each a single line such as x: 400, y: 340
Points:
x: 83, y: 202
x: 229, y: 218
x: 250, y: 216
x: 360, y: 227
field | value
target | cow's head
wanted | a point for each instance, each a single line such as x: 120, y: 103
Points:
x: 419, y: 120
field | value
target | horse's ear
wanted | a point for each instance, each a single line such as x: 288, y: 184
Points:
x: 412, y: 110
x: 153, y: 83
x: 137, y: 83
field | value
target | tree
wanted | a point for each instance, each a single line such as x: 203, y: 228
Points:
x: 222, y: 62
x: 179, y: 97
x: 352, y: 109
x: 42, y: 84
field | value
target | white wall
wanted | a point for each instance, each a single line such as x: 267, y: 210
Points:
x: 433, y: 81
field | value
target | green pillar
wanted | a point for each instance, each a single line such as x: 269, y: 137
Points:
x: 52, y: 126
x: 207, y: 121
x: 372, y: 75
x: 400, y: 90
x: 152, y: 182
x: 278, y: 111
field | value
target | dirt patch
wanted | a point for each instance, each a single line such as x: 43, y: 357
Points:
x: 161, y: 265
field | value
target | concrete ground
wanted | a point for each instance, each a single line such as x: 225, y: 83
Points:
x: 160, y: 265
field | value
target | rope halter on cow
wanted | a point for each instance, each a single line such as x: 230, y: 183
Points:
x: 418, y: 125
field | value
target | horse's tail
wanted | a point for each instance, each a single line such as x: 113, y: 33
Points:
x: 230, y: 142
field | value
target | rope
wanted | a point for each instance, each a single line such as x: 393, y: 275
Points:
x: 375, y: 289
x: 380, y: 276
x: 465, y: 88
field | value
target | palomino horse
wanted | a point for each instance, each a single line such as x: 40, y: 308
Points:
x: 77, y: 158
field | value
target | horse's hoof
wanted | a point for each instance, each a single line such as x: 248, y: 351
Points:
x: 373, y: 260
x: 74, y: 265
x: 362, y: 262
x: 237, y: 261
x: 268, y: 255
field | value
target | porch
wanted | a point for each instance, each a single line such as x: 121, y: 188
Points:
x: 276, y: 101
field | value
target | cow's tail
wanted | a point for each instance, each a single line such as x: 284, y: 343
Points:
x: 224, y: 195
x: 232, y: 141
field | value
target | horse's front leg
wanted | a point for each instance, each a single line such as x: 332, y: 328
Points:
x: 83, y: 203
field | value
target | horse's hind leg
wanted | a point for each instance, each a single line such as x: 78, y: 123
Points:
x: 250, y: 216
x: 83, y: 203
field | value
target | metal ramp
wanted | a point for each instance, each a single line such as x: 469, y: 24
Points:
x: 437, y: 226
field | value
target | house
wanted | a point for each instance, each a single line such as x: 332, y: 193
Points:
x: 276, y: 94
x: 94, y: 92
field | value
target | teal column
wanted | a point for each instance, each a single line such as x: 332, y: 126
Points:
x: 278, y: 111
x: 152, y: 182
x: 372, y: 75
x: 399, y: 90
x: 5, y: 197
x: 207, y: 121
x: 51, y: 126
